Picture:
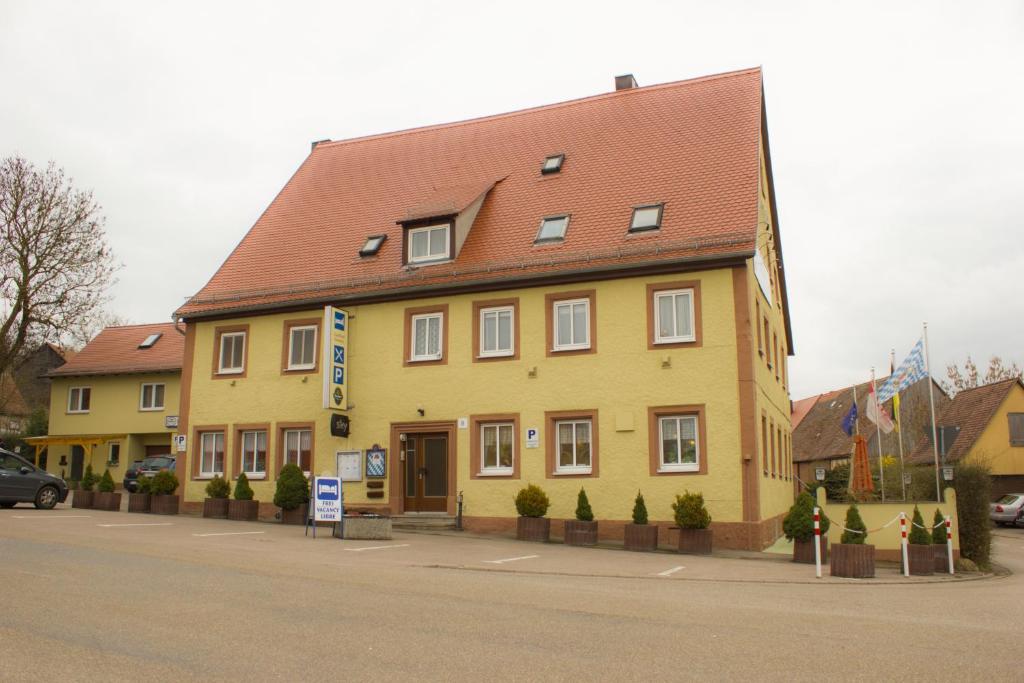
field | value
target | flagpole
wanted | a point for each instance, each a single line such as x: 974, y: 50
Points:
x: 931, y: 401
x: 856, y: 430
x: 878, y: 435
x: 899, y: 426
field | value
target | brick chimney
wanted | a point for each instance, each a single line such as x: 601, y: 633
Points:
x: 625, y: 82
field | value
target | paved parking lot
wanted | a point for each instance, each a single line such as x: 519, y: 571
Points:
x: 98, y: 594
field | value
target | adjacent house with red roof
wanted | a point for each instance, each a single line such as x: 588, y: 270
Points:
x: 586, y: 294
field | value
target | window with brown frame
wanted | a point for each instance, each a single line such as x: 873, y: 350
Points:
x: 1015, y: 423
x: 757, y: 324
x: 496, y: 330
x: 767, y: 351
x: 426, y: 335
x: 494, y: 446
x: 782, y: 452
x: 764, y: 443
x: 295, y: 445
x: 775, y: 352
x: 251, y: 447
x: 230, y: 351
x: 571, y: 439
x: 571, y: 322
x: 677, y: 440
x: 300, y: 347
x: 208, y: 451
x: 771, y: 440
x: 674, y: 315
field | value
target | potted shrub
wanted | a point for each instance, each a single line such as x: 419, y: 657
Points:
x: 141, y: 499
x: 84, y: 496
x: 640, y: 535
x: 798, y: 525
x: 532, y: 504
x: 243, y: 508
x: 851, y: 557
x: 216, y: 503
x: 693, y: 521
x: 939, y: 542
x: 292, y: 495
x: 920, y: 555
x: 105, y: 498
x: 162, y: 487
x: 582, y: 530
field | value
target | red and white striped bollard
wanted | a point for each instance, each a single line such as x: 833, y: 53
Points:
x: 903, y: 543
x: 817, y: 542
x: 949, y: 542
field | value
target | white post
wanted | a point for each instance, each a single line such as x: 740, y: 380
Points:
x: 817, y: 542
x: 903, y: 541
x: 878, y: 436
x: 931, y: 402
x: 949, y: 542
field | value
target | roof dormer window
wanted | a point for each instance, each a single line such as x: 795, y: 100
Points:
x: 552, y: 164
x: 553, y: 228
x: 429, y: 243
x: 150, y: 340
x: 646, y: 217
x: 372, y: 245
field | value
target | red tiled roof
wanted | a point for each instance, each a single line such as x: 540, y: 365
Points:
x: 802, y: 407
x: 116, y: 351
x: 691, y: 144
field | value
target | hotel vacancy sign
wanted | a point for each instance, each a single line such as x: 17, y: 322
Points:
x: 335, y: 358
x: 327, y: 499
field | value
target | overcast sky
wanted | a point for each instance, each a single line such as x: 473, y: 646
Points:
x: 897, y: 134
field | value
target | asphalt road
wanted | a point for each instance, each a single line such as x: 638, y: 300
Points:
x: 87, y: 595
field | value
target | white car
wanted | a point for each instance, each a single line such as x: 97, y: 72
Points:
x: 1008, y: 510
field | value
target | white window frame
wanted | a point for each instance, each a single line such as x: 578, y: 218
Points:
x: 554, y: 324
x: 75, y: 407
x: 298, y: 452
x: 142, y: 397
x: 428, y: 257
x: 211, y: 473
x: 253, y: 473
x: 413, y: 358
x: 497, y: 470
x: 573, y: 469
x: 221, y: 369
x: 497, y: 311
x: 291, y: 346
x: 674, y: 339
x: 678, y: 466
x: 540, y: 239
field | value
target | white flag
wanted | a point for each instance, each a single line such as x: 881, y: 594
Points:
x: 877, y: 414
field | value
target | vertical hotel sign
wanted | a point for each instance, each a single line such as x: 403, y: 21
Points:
x: 335, y: 358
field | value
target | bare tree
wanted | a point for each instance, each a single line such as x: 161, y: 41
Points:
x: 55, y: 263
x: 83, y: 333
x: 969, y: 378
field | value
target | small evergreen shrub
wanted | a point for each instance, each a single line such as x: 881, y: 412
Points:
x: 973, y: 484
x: 854, y: 523
x: 798, y: 524
x: 532, y: 502
x: 218, y: 488
x: 690, y: 512
x: 919, y: 536
x: 145, y: 485
x: 583, y: 511
x: 73, y: 484
x: 106, y: 484
x: 88, y: 479
x: 242, y: 489
x: 939, y: 530
x: 292, y: 488
x: 163, y: 483
x: 639, y: 509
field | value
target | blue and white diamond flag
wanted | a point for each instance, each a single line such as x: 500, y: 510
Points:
x: 910, y: 371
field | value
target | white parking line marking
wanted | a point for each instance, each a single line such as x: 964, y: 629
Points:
x: 231, y: 533
x: 512, y: 559
x: 377, y: 547
x: 41, y: 576
x: 50, y: 516
x: 670, y: 572
x: 143, y: 524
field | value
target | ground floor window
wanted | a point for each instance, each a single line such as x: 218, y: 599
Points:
x: 574, y: 446
x: 298, y: 448
x: 496, y: 448
x: 254, y: 453
x: 211, y: 455
x: 679, y: 446
x: 114, y: 454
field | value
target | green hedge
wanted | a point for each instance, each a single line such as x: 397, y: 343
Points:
x: 973, y: 485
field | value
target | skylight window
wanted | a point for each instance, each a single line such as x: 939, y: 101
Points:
x: 373, y: 245
x: 150, y: 340
x: 646, y: 218
x: 552, y: 164
x: 552, y: 228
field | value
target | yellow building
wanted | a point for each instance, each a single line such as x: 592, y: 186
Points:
x: 114, y: 402
x: 587, y: 294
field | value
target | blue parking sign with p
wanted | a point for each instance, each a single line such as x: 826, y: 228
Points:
x: 339, y: 375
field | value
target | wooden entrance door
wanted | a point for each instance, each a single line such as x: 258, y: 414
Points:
x: 77, y: 462
x: 426, y: 472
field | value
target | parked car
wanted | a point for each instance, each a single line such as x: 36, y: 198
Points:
x: 147, y: 468
x: 1007, y: 510
x: 21, y: 482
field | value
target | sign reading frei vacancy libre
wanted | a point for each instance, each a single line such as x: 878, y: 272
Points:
x: 327, y: 500
x: 335, y: 358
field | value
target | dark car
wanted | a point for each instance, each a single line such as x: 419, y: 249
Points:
x: 20, y: 482
x: 147, y: 468
x: 131, y: 476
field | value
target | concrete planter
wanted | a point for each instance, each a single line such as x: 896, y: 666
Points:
x: 641, y: 537
x: 803, y: 551
x: 83, y: 499
x: 139, y: 502
x: 296, y: 516
x: 695, y: 541
x: 164, y: 505
x: 580, y: 533
x: 243, y: 510
x: 941, y: 559
x: 536, y: 529
x: 215, y: 508
x: 921, y: 559
x: 107, y: 501
x: 359, y: 527
x: 853, y: 560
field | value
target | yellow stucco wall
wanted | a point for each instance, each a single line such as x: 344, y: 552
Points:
x: 621, y: 381
x: 876, y: 515
x: 993, y: 446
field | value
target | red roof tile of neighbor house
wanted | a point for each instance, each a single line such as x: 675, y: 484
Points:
x: 692, y: 145
x: 116, y: 351
x: 971, y: 410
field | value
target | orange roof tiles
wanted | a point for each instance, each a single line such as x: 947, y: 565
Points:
x: 691, y: 144
x: 116, y: 351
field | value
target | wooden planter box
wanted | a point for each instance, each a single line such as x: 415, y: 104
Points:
x: 359, y: 527
x: 164, y: 505
x: 580, y: 533
x: 106, y: 501
x: 921, y: 558
x: 641, y: 537
x: 243, y: 510
x: 853, y: 560
x: 695, y: 541
x: 296, y: 516
x: 533, y: 529
x: 216, y: 508
x: 138, y: 502
x: 941, y: 559
x: 83, y: 499
x: 803, y: 551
